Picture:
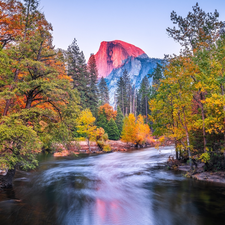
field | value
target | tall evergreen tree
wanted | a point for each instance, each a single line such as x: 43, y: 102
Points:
x: 124, y: 93
x: 119, y: 120
x: 77, y: 69
x: 112, y: 130
x: 103, y: 92
x: 120, y: 94
x: 93, y: 95
x: 102, y: 121
x: 156, y: 76
x: 144, y: 97
x: 127, y: 88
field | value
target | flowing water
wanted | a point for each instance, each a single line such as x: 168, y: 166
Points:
x: 130, y: 188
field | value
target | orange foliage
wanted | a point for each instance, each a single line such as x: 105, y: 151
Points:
x: 110, y: 113
x: 10, y: 21
x: 136, y: 131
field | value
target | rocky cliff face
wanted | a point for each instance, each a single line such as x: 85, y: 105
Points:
x: 115, y: 56
x: 111, y: 55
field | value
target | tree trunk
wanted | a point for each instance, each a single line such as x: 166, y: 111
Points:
x: 203, y: 123
x: 188, y: 139
x: 122, y: 102
x: 222, y: 90
x: 176, y: 149
x: 29, y: 102
x: 146, y: 109
x: 6, y: 181
x: 89, y: 145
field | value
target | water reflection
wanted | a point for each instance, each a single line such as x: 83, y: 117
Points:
x: 117, y: 188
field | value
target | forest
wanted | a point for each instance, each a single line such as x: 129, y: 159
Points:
x: 53, y: 96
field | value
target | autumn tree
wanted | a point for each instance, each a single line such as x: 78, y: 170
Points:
x: 101, y: 139
x: 11, y: 26
x: 143, y: 134
x: 36, y: 97
x: 86, y: 125
x: 109, y: 112
x: 129, y: 129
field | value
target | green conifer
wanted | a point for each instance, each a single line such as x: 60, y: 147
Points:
x: 103, y: 92
x: 112, y: 130
x: 93, y: 95
x: 119, y: 120
x: 102, y: 121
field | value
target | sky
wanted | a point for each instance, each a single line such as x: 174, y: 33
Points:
x: 142, y: 23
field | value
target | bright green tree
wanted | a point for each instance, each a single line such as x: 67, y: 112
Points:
x: 112, y: 130
x: 102, y: 120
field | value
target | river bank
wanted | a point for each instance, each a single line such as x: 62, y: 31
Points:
x: 202, y: 175
x: 81, y: 147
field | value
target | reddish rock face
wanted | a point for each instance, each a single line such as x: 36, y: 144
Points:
x: 111, y: 55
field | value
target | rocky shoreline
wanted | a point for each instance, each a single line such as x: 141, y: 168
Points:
x: 200, y: 174
x: 82, y: 148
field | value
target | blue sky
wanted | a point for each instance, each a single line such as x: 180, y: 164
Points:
x: 139, y: 22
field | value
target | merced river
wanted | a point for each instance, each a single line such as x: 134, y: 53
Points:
x: 119, y: 188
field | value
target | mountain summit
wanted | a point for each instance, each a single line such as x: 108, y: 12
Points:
x: 112, y: 55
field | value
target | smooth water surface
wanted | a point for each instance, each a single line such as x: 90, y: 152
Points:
x: 131, y: 188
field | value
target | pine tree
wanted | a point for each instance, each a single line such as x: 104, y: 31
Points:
x: 119, y: 120
x: 125, y: 93
x: 112, y: 130
x: 120, y: 94
x: 144, y: 94
x: 102, y: 121
x: 93, y: 95
x: 103, y: 92
x: 77, y: 69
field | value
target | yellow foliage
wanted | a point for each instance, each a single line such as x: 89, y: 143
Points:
x: 136, y: 132
x: 86, y: 124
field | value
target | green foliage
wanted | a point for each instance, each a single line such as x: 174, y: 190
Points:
x: 19, y: 145
x: 102, y: 121
x: 93, y: 95
x: 144, y: 93
x: 103, y: 92
x: 107, y: 148
x: 124, y: 93
x: 101, y: 139
x: 119, y: 120
x: 77, y: 69
x: 112, y: 130
x: 205, y: 157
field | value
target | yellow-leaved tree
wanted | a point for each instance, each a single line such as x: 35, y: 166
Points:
x: 85, y: 125
x: 136, y: 131
x: 129, y: 129
x: 143, y: 133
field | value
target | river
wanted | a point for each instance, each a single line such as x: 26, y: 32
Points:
x: 120, y: 188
